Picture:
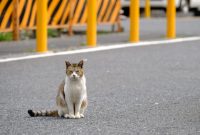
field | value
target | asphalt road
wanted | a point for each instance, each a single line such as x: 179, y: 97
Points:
x: 152, y: 90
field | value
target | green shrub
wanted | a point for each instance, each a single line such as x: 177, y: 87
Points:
x: 6, y: 36
x: 52, y: 33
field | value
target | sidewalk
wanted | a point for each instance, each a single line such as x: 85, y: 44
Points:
x: 150, y: 29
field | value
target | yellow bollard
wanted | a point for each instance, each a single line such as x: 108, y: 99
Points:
x: 92, y: 23
x: 171, y: 19
x: 147, y: 9
x: 41, y: 26
x: 134, y: 21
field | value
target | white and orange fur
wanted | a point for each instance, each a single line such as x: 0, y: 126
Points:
x: 71, y: 98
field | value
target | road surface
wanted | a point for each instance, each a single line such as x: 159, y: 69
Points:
x: 147, y: 90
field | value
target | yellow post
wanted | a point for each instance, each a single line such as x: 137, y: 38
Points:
x: 134, y: 21
x: 92, y: 23
x: 41, y: 26
x: 171, y: 19
x: 147, y: 9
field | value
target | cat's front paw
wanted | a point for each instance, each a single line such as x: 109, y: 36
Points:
x: 77, y: 116
x: 66, y: 116
x: 82, y: 116
x: 69, y: 116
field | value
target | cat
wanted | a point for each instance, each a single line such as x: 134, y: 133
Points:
x: 71, y: 98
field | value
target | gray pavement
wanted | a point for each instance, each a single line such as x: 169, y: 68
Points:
x: 152, y: 90
x: 150, y: 29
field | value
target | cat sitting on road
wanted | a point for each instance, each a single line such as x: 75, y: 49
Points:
x: 71, y: 98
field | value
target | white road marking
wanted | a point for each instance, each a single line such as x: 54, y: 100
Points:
x: 101, y: 48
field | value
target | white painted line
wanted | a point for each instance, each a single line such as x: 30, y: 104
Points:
x: 101, y: 48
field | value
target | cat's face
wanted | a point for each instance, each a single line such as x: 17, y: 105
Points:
x: 74, y: 71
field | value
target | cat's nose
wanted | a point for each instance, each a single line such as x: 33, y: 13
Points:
x: 74, y: 76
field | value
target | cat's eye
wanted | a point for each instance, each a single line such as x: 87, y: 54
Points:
x: 70, y: 71
x: 77, y: 71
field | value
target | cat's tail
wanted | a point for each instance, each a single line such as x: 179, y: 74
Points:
x: 52, y: 113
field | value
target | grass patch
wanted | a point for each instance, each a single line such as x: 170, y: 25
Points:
x: 53, y: 33
x: 6, y: 36
x: 83, y: 44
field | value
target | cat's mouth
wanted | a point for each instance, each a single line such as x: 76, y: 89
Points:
x: 74, y: 78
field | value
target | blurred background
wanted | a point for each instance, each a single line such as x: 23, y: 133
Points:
x: 187, y: 7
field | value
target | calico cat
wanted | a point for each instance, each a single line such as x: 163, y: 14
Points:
x: 71, y: 98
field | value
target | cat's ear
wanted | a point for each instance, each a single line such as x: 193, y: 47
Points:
x: 80, y: 64
x: 67, y: 64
